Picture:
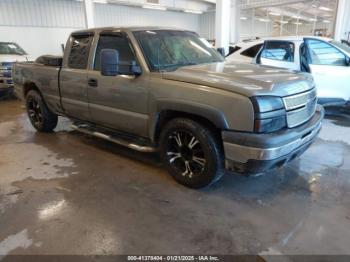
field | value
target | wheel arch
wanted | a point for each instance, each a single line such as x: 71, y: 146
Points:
x: 28, y: 86
x: 204, y: 114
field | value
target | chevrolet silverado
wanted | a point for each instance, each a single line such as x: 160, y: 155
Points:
x: 167, y: 90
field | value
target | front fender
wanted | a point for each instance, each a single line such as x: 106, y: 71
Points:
x: 215, y: 116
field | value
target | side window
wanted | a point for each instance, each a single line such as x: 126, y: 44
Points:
x: 279, y: 50
x: 252, y: 51
x: 322, y: 53
x: 117, y: 42
x: 233, y: 49
x: 79, y: 54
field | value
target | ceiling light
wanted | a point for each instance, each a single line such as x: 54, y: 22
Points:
x: 295, y: 16
x: 284, y: 22
x: 313, y: 19
x: 325, y: 8
x: 264, y: 20
x: 154, y: 6
x: 244, y: 18
x: 275, y: 14
x: 298, y: 23
x: 326, y: 21
x: 193, y: 11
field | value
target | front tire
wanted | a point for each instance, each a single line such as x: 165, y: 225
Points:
x: 192, y: 153
x: 40, y: 116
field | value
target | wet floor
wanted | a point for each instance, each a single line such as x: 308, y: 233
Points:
x: 68, y: 193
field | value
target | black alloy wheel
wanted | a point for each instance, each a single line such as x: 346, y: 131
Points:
x: 35, y: 112
x: 185, y: 153
x: 39, y: 114
x: 192, y: 153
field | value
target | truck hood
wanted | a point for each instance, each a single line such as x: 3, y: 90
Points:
x: 13, y: 58
x: 245, y: 79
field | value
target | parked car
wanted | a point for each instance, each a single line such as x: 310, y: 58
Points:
x: 9, y: 54
x: 154, y: 89
x: 327, y: 60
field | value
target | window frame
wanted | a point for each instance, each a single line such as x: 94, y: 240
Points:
x: 71, y: 39
x: 111, y: 33
x: 261, y: 47
x: 278, y: 41
x: 306, y: 41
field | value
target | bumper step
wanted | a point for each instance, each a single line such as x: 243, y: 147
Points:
x: 119, y: 139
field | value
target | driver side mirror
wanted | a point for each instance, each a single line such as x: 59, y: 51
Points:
x: 109, y: 62
x: 112, y: 66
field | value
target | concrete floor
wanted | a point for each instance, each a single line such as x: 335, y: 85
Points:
x: 67, y: 193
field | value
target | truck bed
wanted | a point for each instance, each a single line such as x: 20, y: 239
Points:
x: 44, y: 77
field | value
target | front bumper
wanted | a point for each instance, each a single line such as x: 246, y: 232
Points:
x: 6, y: 84
x: 257, y: 153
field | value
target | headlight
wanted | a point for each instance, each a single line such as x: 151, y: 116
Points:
x: 264, y: 104
x: 270, y: 114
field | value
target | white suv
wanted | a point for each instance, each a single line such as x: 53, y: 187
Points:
x: 327, y: 60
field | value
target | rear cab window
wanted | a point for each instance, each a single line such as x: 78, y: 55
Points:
x: 279, y: 50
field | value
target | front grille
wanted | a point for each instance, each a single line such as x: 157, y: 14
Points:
x: 300, y: 100
x: 7, y: 74
x: 300, y: 108
x: 7, y: 64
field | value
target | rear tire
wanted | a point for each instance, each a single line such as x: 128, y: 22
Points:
x: 39, y: 114
x: 192, y: 153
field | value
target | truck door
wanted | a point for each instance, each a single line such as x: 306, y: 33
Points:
x: 118, y: 102
x: 73, y: 77
x: 279, y: 54
x: 330, y: 69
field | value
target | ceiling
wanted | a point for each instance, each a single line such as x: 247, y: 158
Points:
x: 291, y: 11
x: 278, y: 11
x: 189, y: 6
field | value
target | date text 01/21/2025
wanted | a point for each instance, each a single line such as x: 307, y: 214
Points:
x: 173, y: 258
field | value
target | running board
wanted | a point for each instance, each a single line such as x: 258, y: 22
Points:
x: 86, y: 129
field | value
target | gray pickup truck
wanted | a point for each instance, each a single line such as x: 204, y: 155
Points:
x: 167, y: 90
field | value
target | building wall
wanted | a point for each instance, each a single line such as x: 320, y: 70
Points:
x: 118, y: 15
x: 207, y: 25
x: 41, y: 26
x: 305, y: 29
x: 250, y: 30
x: 36, y: 41
x: 247, y: 29
x: 42, y: 13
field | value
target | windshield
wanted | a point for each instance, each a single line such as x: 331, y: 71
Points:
x: 340, y: 45
x: 11, y: 49
x: 170, y: 49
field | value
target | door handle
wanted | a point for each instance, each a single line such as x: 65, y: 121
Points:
x: 92, y: 82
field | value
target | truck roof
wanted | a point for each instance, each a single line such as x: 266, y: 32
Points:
x: 128, y: 28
